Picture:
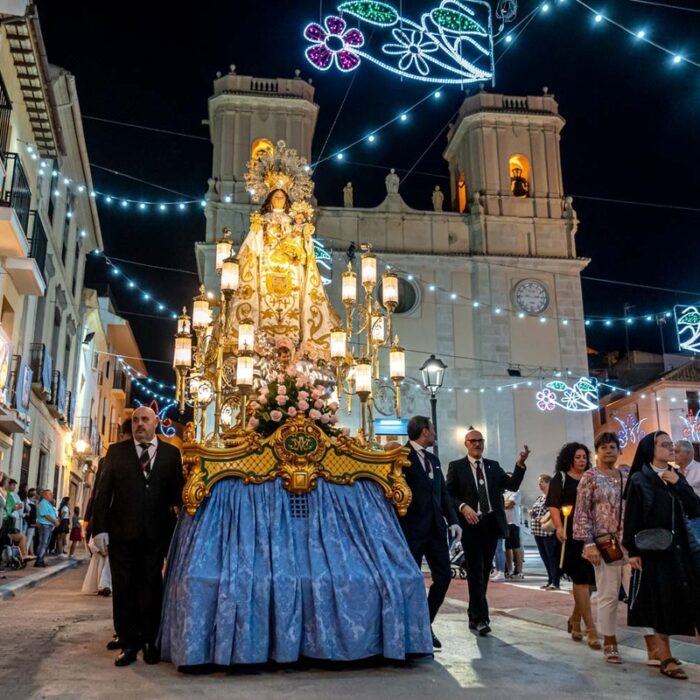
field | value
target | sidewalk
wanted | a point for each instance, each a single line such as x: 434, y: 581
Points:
x: 13, y: 580
x: 523, y: 600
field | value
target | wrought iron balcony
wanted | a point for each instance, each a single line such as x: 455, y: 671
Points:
x: 41, y: 364
x: 16, y: 193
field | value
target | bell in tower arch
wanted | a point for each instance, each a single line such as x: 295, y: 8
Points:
x: 518, y: 184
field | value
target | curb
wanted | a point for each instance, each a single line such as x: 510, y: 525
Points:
x: 8, y: 590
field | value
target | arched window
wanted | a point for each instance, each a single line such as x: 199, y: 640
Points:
x: 260, y: 147
x: 519, y: 168
x: 461, y: 193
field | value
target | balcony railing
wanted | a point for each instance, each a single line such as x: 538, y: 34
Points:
x: 119, y: 382
x: 67, y: 417
x: 5, y: 112
x: 58, y: 395
x: 15, y: 190
x: 85, y: 429
x: 38, y: 242
x: 42, y: 368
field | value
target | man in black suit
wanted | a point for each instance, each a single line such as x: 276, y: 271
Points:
x: 424, y: 523
x: 134, y: 518
x: 476, y: 486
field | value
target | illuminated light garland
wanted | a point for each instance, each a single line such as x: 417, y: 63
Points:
x: 443, y: 31
x: 640, y: 35
x: 630, y: 432
x: 688, y: 328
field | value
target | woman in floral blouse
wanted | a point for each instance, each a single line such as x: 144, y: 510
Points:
x: 598, y: 518
x: 545, y: 539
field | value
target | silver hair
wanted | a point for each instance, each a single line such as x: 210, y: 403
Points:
x: 685, y: 444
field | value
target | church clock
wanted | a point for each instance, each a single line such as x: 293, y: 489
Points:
x: 531, y: 296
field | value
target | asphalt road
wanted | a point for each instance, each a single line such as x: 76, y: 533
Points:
x: 52, y: 646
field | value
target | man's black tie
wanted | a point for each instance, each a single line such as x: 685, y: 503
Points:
x: 481, y: 488
x: 423, y: 456
x: 145, y: 458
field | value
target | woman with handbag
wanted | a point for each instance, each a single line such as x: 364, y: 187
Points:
x: 542, y: 529
x: 665, y: 586
x: 598, y: 523
x: 572, y: 461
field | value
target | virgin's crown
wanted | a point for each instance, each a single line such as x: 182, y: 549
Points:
x: 280, y: 169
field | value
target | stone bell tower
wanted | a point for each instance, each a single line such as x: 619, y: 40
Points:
x: 247, y: 114
x: 505, y: 168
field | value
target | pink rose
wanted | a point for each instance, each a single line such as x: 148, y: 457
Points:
x: 253, y: 405
x: 253, y: 422
x: 325, y: 418
x: 282, y: 389
x: 345, y: 431
x: 334, y: 419
x: 334, y: 406
x: 292, y: 411
x: 300, y: 382
x: 316, y: 393
x: 280, y: 379
x: 303, y: 395
x: 318, y: 404
x: 281, y: 400
x: 276, y: 416
x: 302, y: 405
x: 262, y: 400
x: 291, y: 371
x: 263, y: 390
x: 314, y: 414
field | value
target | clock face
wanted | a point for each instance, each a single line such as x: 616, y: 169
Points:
x: 531, y: 296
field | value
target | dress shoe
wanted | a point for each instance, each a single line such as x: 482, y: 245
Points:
x: 128, y: 656
x: 151, y: 653
x: 437, y: 644
x: 472, y: 625
x: 40, y: 564
x: 483, y: 629
x: 114, y: 644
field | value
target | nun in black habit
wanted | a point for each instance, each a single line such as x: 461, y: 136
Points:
x: 665, y: 588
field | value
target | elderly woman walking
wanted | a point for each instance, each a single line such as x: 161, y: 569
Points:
x: 665, y: 586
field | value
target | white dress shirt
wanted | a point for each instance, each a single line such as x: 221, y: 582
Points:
x: 472, y: 464
x: 513, y: 514
x: 692, y: 475
x: 422, y: 457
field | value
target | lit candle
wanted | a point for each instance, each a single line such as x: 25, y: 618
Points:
x: 201, y: 317
x: 397, y: 363
x: 183, y: 351
x: 246, y: 335
x: 224, y: 248
x: 369, y: 269
x: 363, y: 376
x: 244, y: 370
x: 230, y: 275
x: 390, y: 290
x: 378, y: 328
x: 338, y: 344
x: 349, y: 287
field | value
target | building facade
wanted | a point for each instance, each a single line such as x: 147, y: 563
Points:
x: 48, y: 223
x: 492, y: 287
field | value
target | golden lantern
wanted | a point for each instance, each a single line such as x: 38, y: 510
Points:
x: 246, y: 335
x: 230, y: 275
x: 245, y: 364
x: 338, y: 344
x: 397, y: 372
x: 363, y: 377
x: 201, y: 316
x: 183, y: 352
x: 349, y: 292
x: 369, y: 270
x: 183, y: 323
x: 390, y: 290
x: 224, y: 248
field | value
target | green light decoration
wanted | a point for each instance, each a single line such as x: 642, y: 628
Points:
x: 377, y: 13
x: 688, y: 328
x: 450, y: 44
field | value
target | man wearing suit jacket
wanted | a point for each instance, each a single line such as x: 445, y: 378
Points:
x: 476, y: 486
x: 133, y: 521
x: 424, y: 523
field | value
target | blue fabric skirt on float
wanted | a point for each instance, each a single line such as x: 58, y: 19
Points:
x: 258, y: 575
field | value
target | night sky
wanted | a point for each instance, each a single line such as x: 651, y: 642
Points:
x: 631, y: 134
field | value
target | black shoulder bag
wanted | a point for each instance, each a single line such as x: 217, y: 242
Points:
x: 657, y: 539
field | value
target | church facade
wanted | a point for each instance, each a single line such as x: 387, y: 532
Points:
x: 491, y: 287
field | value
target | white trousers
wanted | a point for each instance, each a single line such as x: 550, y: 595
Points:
x: 608, y: 579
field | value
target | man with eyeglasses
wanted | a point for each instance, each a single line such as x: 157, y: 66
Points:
x: 477, y: 486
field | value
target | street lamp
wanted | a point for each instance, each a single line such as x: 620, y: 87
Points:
x: 433, y: 372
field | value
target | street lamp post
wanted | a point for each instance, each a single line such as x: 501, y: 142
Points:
x: 433, y: 372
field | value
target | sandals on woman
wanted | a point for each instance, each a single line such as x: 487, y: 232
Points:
x: 593, y: 641
x: 612, y: 655
x: 677, y: 673
x: 575, y: 632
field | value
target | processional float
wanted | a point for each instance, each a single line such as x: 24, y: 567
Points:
x: 271, y: 476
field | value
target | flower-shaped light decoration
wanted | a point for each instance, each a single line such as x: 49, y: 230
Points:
x: 411, y: 46
x: 333, y: 42
x: 546, y: 400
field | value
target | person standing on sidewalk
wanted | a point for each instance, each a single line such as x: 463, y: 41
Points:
x: 477, y: 486
x: 30, y: 518
x: 598, y: 521
x: 424, y: 523
x: 572, y: 461
x: 544, y: 537
x: 512, y: 501
x: 47, y: 519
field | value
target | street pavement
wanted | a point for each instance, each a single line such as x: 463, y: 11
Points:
x: 52, y: 645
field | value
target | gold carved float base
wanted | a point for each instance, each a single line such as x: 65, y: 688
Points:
x: 299, y: 453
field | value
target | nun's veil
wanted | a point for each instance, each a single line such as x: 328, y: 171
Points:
x: 644, y: 454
